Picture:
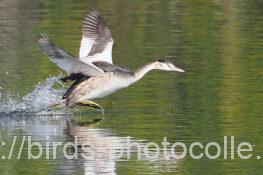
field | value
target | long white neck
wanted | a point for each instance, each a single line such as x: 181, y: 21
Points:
x: 143, y: 70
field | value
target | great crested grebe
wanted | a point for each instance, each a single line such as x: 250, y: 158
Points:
x: 93, y: 73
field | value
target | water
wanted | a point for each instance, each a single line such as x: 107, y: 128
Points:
x: 218, y: 43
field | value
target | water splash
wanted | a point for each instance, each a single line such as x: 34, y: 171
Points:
x: 39, y: 101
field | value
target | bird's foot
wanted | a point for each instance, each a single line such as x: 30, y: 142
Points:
x: 89, y: 104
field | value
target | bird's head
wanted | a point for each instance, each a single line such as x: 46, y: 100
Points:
x: 167, y: 66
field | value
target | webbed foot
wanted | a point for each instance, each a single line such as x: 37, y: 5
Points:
x: 89, y: 104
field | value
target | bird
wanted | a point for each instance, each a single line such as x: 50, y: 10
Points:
x: 93, y: 73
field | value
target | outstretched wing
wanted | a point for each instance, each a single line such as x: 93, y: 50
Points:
x: 96, y: 43
x: 65, y: 60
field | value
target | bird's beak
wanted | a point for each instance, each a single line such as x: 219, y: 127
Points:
x: 178, y: 69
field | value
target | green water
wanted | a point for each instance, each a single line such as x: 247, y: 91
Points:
x: 218, y: 43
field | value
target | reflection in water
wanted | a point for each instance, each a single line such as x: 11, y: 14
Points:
x: 39, y: 127
x: 101, y: 149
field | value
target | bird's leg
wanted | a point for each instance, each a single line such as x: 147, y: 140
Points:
x: 89, y: 104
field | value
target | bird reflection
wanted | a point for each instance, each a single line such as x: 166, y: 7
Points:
x: 99, y: 148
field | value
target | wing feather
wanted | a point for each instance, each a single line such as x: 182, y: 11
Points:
x: 65, y: 60
x: 96, y: 43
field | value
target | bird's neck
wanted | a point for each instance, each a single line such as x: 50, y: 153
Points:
x: 143, y: 70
